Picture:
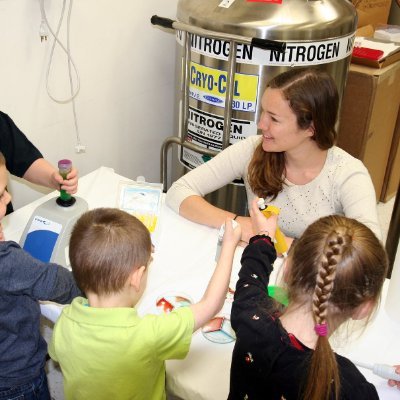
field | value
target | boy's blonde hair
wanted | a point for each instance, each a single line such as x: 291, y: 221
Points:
x: 106, y: 245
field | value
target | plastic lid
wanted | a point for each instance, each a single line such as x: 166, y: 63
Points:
x: 261, y: 203
x: 64, y: 164
x: 219, y: 330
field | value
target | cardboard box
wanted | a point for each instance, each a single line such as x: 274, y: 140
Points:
x: 372, y: 12
x: 368, y: 116
x: 392, y: 175
x: 366, y: 31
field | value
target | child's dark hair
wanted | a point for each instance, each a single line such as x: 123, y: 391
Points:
x: 341, y: 265
x: 106, y: 245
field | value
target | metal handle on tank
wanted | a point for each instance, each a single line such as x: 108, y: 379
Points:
x: 265, y: 44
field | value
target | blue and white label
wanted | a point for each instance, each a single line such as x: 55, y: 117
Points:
x: 42, y: 237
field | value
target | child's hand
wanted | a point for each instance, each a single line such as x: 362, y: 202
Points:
x: 70, y: 185
x: 247, y: 229
x: 392, y: 382
x: 232, y: 236
x: 261, y: 224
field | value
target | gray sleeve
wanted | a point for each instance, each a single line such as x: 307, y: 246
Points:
x: 65, y: 288
x: 225, y: 167
x: 22, y: 274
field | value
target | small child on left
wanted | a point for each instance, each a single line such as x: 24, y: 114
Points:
x: 24, y: 281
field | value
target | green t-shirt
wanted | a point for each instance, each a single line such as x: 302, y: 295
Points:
x: 112, y: 353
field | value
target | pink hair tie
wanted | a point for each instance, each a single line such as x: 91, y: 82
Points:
x: 321, y: 329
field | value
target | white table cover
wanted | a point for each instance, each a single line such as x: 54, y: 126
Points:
x: 184, y: 260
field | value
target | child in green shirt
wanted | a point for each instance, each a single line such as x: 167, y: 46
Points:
x: 105, y: 350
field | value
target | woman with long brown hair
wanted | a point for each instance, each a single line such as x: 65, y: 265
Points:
x: 294, y: 163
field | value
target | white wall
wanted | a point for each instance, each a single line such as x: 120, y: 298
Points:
x: 126, y: 68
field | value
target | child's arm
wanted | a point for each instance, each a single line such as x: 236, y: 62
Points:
x: 214, y: 296
x: 257, y: 261
x: 261, y: 224
x: 259, y: 255
x: 41, y: 172
x: 26, y: 275
x: 65, y: 289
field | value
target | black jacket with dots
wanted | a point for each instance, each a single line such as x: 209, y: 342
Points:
x: 268, y: 362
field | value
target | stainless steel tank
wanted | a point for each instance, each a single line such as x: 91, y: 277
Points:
x: 316, y: 32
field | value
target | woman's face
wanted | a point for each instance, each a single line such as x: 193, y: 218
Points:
x: 5, y: 197
x: 278, y: 124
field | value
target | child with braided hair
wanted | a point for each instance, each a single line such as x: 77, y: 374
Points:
x: 334, y: 273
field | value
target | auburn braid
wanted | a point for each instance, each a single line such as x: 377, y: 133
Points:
x: 341, y: 264
x: 334, y: 247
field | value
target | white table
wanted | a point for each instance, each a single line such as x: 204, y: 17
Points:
x: 183, y: 263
